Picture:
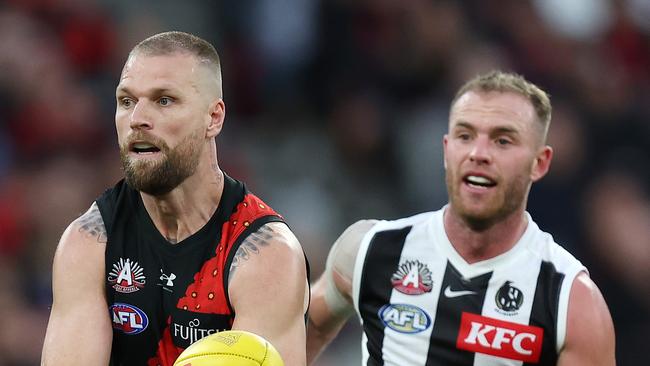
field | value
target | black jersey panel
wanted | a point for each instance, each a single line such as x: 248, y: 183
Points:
x: 382, y: 260
x: 545, y: 311
x: 442, y: 347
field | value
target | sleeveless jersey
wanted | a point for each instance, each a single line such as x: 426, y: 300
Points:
x: 420, y: 303
x: 162, y: 297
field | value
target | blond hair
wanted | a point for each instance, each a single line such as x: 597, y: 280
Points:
x: 500, y: 81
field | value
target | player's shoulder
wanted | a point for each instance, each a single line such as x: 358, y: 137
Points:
x: 358, y: 230
x: 587, y: 300
x: 542, y: 245
x: 270, y: 252
x: 271, y: 244
x: 84, y: 232
x: 408, y: 221
x: 276, y: 233
x: 83, y: 243
x: 89, y: 226
x: 350, y: 240
x: 587, y: 312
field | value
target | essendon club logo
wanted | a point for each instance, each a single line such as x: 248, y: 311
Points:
x: 412, y: 278
x: 500, y: 338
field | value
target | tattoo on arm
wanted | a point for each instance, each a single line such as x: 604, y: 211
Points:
x: 261, y: 238
x: 92, y: 225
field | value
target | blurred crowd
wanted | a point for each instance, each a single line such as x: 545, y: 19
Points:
x: 335, y: 112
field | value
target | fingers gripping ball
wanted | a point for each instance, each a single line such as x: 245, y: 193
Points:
x: 230, y: 348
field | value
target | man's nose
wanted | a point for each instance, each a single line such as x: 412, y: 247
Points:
x: 141, y: 116
x: 480, y: 152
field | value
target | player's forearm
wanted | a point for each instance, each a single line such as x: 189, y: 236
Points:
x: 316, y: 343
x: 318, y: 337
x: 69, y: 341
x: 291, y: 343
x: 73, y: 351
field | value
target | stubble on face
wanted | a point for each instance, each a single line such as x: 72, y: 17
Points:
x: 480, y: 216
x: 159, y: 177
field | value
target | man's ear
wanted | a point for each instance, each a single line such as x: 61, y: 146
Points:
x: 217, y: 116
x: 542, y: 163
x: 445, y: 139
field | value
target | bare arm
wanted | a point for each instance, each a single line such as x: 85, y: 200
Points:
x: 331, y: 300
x: 269, y: 292
x: 590, y: 331
x: 79, y: 330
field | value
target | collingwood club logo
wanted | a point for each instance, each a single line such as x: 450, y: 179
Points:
x: 412, y: 278
x: 126, y: 276
x: 509, y: 298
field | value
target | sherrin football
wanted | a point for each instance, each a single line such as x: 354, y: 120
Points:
x: 230, y: 348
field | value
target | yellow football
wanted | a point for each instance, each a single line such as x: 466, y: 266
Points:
x: 230, y: 348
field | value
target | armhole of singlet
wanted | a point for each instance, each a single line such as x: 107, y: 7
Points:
x: 108, y: 202
x: 255, y: 225
x: 359, y: 263
x: 563, y: 306
x: 105, y: 207
x: 308, y: 269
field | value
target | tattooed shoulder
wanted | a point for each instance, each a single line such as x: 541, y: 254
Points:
x: 91, y: 224
x: 251, y: 246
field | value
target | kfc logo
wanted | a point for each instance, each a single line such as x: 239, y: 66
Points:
x: 500, y: 338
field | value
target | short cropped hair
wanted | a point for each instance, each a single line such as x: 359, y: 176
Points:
x: 168, y: 43
x: 500, y: 81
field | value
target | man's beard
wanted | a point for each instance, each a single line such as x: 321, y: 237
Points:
x: 507, y: 201
x: 161, y: 176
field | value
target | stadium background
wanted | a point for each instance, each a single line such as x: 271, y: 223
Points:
x: 335, y: 112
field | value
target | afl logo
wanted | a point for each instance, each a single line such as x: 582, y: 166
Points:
x: 509, y: 298
x: 128, y: 318
x: 404, y: 318
x: 412, y: 278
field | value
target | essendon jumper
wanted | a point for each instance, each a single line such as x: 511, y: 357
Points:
x: 162, y: 297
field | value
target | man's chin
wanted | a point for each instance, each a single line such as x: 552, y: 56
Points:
x: 478, y: 217
x: 145, y: 178
x: 145, y: 165
x: 148, y: 187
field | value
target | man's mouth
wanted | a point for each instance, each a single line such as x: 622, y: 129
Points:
x: 479, y: 181
x: 144, y: 148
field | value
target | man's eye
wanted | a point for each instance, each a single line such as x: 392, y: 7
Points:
x: 165, y: 101
x: 503, y: 141
x: 126, y: 102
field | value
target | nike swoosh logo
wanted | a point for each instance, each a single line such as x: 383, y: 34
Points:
x: 451, y: 294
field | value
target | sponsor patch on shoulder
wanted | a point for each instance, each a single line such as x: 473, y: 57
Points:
x: 128, y: 318
x: 404, y: 318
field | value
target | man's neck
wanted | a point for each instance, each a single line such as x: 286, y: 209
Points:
x: 475, y: 246
x: 188, y: 207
